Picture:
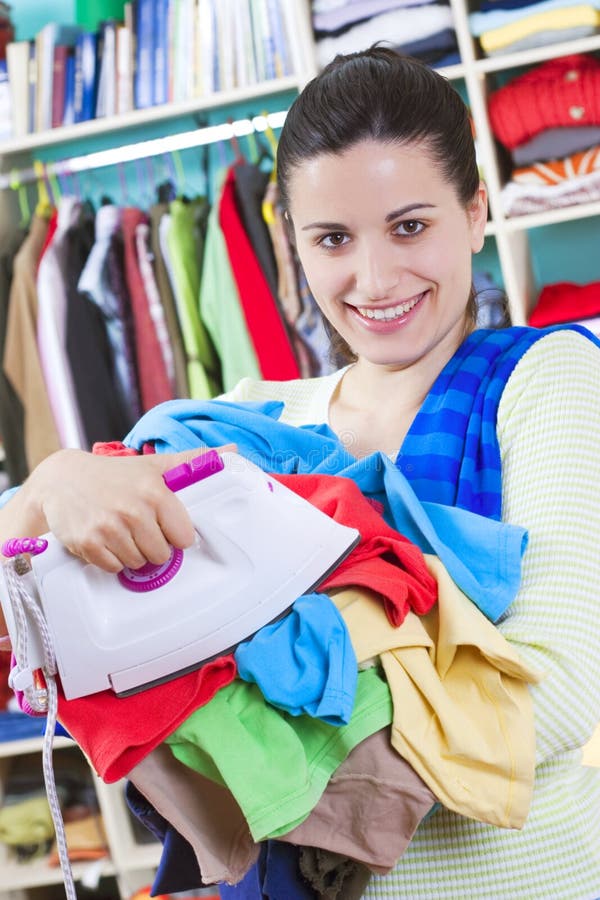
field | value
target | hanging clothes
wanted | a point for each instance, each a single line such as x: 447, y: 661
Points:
x: 21, y: 360
x: 102, y: 281
x: 12, y: 416
x: 250, y: 184
x: 52, y: 329
x: 102, y: 408
x: 180, y: 248
x: 155, y: 386
x: 271, y: 341
x: 163, y: 283
x: 155, y: 307
x: 303, y: 316
x: 221, y: 310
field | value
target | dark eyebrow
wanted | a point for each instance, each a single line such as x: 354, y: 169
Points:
x: 396, y: 214
x: 326, y: 226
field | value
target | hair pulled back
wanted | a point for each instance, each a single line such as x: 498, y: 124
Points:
x: 379, y: 94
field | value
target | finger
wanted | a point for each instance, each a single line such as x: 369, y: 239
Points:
x: 103, y: 557
x: 175, y: 522
x: 130, y: 554
x: 151, y: 544
x: 5, y: 644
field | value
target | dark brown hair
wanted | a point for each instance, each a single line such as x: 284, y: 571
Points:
x: 379, y: 94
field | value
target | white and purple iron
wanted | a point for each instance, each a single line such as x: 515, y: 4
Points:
x: 258, y: 547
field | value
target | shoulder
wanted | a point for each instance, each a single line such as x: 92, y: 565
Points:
x: 566, y: 359
x: 554, y: 386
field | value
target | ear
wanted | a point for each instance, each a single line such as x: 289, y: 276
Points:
x: 289, y: 228
x: 477, y: 212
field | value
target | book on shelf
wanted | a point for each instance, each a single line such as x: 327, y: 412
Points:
x: 291, y: 28
x: 69, y: 104
x: 143, y: 81
x: 162, y: 10
x: 257, y: 41
x: 281, y: 60
x: 266, y: 36
x: 85, y: 77
x: 205, y: 48
x: 225, y: 45
x: 106, y: 67
x: 17, y: 63
x: 124, y: 75
x: 46, y: 40
x: 6, y: 116
x: 59, y: 83
x: 32, y: 87
x: 244, y: 47
x: 7, y: 31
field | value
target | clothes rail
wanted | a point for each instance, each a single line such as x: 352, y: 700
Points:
x: 198, y: 137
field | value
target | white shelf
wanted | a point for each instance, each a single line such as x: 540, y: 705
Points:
x: 537, y: 55
x: 37, y: 873
x: 150, y: 116
x: 31, y: 745
x: 553, y: 216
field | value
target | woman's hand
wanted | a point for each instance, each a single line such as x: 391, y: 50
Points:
x: 117, y: 512
x: 109, y: 511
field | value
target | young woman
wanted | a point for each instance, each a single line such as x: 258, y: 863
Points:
x: 378, y: 177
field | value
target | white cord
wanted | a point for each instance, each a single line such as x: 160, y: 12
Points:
x: 40, y: 699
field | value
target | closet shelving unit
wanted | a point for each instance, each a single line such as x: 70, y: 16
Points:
x: 131, y: 863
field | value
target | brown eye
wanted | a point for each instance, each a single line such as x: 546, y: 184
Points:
x: 409, y: 228
x: 333, y: 239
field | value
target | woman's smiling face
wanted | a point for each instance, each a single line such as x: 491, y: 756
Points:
x: 386, y: 247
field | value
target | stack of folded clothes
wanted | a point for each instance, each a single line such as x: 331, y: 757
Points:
x: 549, y: 121
x: 421, y: 29
x: 507, y: 26
x: 567, y: 302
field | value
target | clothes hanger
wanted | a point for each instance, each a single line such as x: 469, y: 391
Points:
x: 123, y: 184
x: 22, y: 197
x: 44, y: 205
x: 238, y: 156
x: 268, y: 212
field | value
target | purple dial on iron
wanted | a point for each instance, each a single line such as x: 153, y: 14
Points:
x: 150, y: 576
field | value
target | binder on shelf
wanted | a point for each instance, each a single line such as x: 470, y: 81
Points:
x: 69, y: 105
x: 162, y: 60
x: 84, y: 101
x: 144, y: 52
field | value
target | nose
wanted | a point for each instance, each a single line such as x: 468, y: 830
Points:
x: 377, y: 271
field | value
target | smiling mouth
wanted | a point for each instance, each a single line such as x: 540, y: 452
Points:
x: 390, y: 312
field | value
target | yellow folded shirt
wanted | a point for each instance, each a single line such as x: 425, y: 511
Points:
x: 552, y: 20
x: 463, y: 714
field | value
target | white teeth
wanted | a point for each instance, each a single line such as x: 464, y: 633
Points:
x: 392, y: 312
